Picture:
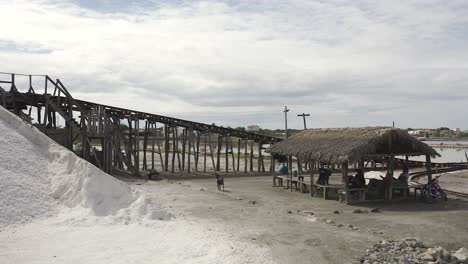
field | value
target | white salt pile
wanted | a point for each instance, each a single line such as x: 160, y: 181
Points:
x: 58, y: 208
x: 38, y: 176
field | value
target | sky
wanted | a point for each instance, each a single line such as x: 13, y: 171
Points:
x: 237, y: 63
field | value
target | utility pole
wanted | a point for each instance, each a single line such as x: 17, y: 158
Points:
x: 286, y: 110
x: 304, y: 117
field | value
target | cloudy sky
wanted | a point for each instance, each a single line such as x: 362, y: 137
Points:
x: 239, y: 62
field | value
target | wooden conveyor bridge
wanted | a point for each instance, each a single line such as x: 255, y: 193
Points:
x: 123, y: 140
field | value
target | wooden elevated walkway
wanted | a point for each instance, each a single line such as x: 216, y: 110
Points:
x: 115, y: 138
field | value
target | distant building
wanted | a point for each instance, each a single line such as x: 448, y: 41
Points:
x: 253, y: 128
x: 457, y: 132
x: 420, y: 133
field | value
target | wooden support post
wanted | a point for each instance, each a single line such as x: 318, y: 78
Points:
x: 218, y: 153
x: 137, y: 146
x: 232, y: 155
x: 166, y: 148
x: 251, y: 156
x: 238, y: 154
x: 174, y: 147
x: 227, y: 154
x: 245, y: 155
x: 204, y: 152
x: 429, y: 168
x: 290, y: 161
x: 312, y: 171
x: 299, y: 167
x: 190, y: 135
x: 272, y: 171
x: 259, y: 161
x: 184, y: 141
x: 39, y: 109
x: 344, y: 171
x: 153, y: 134
x: 145, y: 145
x: 211, y: 152
x: 197, y: 153
x: 159, y: 147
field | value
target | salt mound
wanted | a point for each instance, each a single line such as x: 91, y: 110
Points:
x: 38, y: 176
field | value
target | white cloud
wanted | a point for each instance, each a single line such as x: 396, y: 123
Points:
x: 346, y: 62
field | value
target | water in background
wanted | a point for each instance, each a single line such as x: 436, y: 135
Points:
x: 447, y: 154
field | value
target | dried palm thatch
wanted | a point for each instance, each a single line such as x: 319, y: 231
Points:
x: 336, y: 145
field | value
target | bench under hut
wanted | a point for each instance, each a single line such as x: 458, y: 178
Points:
x: 345, y: 146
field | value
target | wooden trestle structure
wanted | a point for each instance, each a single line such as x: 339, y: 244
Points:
x: 123, y: 140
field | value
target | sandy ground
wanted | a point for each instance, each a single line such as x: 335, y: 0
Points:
x: 277, y: 220
x: 455, y: 181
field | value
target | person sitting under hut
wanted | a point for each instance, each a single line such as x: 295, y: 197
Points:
x: 403, y: 178
x: 357, y: 181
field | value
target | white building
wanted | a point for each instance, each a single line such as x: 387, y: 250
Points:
x: 253, y: 128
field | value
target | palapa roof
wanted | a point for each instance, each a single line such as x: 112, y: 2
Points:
x: 336, y: 145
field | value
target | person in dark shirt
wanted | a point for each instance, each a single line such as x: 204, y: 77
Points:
x: 358, y: 180
x: 403, y: 178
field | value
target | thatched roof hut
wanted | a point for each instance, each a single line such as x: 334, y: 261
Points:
x: 337, y: 145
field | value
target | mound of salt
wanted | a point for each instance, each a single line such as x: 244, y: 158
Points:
x: 37, y: 176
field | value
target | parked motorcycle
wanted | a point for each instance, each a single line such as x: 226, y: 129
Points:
x: 432, y: 191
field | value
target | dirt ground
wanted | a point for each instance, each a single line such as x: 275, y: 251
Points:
x: 251, y: 209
